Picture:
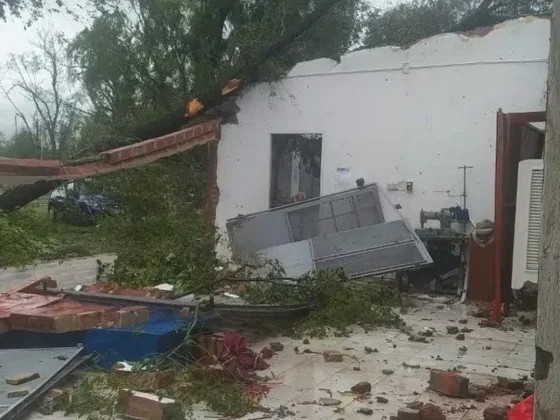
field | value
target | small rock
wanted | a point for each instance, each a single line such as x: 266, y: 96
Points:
x: 357, y: 368
x: 417, y: 338
x: 382, y: 400
x: 460, y: 337
x: 463, y: 349
x: 530, y: 387
x: 466, y: 330
x: 488, y: 348
x: 387, y: 372
x: 440, y: 307
x: 486, y: 323
x: 452, y: 329
x: 267, y: 353
x: 306, y: 341
x: 366, y: 411
x: 307, y: 402
x: 361, y: 387
x: 406, y: 365
x: 296, y: 350
x: 513, y: 384
x: 431, y: 412
x: 426, y: 333
x: 332, y: 356
x: 463, y: 321
x: 18, y: 393
x: 329, y: 402
x: 368, y: 349
x: 495, y: 413
x: 415, y: 405
x: 516, y: 400
x: 408, y: 414
x: 276, y: 346
x: 439, y: 358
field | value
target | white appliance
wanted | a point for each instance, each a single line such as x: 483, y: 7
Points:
x: 528, y: 217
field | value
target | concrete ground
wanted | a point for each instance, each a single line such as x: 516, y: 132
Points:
x: 67, y: 273
x: 296, y: 378
x: 306, y: 377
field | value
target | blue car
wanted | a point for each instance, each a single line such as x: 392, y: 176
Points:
x: 74, y: 196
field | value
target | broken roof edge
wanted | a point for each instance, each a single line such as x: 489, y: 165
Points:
x: 26, y: 171
x: 430, y: 51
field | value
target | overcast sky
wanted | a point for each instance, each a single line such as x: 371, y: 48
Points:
x: 16, y: 39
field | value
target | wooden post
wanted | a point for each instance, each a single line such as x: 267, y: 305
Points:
x: 547, y: 366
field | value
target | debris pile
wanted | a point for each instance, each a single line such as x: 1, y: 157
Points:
x: 454, y: 385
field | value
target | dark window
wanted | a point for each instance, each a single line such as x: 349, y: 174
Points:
x: 295, y: 168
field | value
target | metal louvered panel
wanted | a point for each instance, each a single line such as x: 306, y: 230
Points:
x: 535, y: 217
x: 376, y: 261
x: 345, y: 230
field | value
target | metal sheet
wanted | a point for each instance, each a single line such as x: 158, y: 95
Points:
x: 358, y: 240
x: 376, y: 261
x: 296, y: 258
x: 246, y: 233
x: 332, y: 213
x: 345, y: 230
x: 46, y: 362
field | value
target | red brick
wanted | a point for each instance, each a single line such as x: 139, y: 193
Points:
x: 496, y: 413
x: 144, y: 381
x: 142, y: 406
x: 18, y: 393
x: 431, y: 412
x: 88, y: 320
x: 58, y: 317
x: 408, y: 414
x: 449, y: 383
x: 132, y: 316
x: 212, y: 189
x: 22, y: 378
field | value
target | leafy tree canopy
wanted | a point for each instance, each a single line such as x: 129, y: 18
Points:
x: 33, y: 7
x: 144, y: 57
x: 409, y: 22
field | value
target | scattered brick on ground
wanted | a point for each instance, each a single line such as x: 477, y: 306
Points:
x: 449, y: 383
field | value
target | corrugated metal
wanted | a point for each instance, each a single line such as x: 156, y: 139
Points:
x: 535, y: 217
x: 46, y: 362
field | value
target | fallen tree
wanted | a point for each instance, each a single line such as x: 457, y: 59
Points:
x: 214, y: 102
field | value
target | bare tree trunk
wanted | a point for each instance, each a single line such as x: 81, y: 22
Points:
x: 547, y: 366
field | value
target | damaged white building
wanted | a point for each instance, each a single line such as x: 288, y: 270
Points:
x: 406, y: 119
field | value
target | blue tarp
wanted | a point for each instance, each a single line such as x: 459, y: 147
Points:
x: 165, y: 331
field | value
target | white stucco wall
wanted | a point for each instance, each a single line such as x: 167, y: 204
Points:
x: 393, y: 115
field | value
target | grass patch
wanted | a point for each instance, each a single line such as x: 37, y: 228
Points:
x: 31, y: 235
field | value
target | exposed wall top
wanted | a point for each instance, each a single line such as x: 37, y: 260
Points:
x: 442, y: 50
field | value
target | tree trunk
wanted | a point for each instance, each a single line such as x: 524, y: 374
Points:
x: 21, y: 195
x: 547, y: 366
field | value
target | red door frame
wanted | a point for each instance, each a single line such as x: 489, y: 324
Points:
x: 507, y: 160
